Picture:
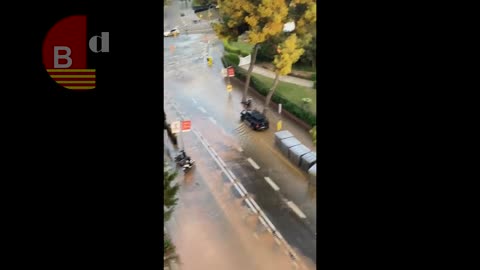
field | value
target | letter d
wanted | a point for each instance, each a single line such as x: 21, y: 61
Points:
x: 104, y: 43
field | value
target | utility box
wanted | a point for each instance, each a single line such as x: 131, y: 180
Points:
x: 312, y: 174
x: 295, y: 153
x: 308, y: 160
x: 287, y: 144
x: 279, y: 136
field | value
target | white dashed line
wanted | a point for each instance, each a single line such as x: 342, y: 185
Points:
x: 202, y: 109
x: 212, y: 120
x: 272, y: 184
x: 253, y: 163
x: 296, y: 209
x: 194, y: 101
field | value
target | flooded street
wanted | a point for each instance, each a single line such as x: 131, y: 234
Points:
x: 208, y: 207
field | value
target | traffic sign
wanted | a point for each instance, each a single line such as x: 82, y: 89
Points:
x: 231, y: 72
x: 175, y: 127
x: 229, y: 87
x: 186, y: 125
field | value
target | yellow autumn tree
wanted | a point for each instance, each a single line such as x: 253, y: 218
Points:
x: 290, y: 51
x: 266, y: 20
x: 232, y: 14
x: 304, y: 13
x: 261, y: 19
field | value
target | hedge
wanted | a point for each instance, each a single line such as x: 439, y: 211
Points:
x: 232, y: 59
x: 231, y: 49
x: 263, y: 89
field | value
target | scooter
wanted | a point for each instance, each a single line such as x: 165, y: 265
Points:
x: 184, y: 161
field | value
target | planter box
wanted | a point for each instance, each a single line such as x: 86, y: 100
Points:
x: 295, y: 153
x: 308, y: 160
x: 287, y: 144
x: 280, y: 135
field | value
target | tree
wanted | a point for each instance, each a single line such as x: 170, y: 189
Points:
x: 169, y: 192
x: 304, y: 13
x: 169, y: 202
x: 166, y: 126
x: 288, y: 54
x: 261, y: 19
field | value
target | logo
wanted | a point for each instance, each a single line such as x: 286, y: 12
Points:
x: 64, y: 53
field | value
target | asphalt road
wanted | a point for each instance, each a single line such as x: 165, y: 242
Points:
x: 199, y: 93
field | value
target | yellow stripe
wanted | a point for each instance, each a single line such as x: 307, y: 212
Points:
x: 66, y: 82
x: 72, y: 76
x: 70, y: 70
x: 80, y: 87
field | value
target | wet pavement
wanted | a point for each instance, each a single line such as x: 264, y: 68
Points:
x: 211, y: 226
x: 199, y: 93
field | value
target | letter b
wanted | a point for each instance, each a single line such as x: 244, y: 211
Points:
x: 57, y: 57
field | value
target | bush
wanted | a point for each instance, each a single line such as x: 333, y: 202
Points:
x: 314, y: 76
x: 232, y: 59
x: 263, y: 89
x: 224, y: 62
x: 229, y: 48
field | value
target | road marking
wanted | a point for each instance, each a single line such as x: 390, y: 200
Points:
x: 272, y: 184
x: 243, y: 189
x: 231, y: 173
x: 253, y: 163
x: 202, y: 109
x: 240, y: 149
x: 194, y: 101
x: 295, y: 209
x: 212, y: 120
x: 277, y: 241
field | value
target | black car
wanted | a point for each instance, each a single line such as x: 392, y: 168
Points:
x: 255, y: 119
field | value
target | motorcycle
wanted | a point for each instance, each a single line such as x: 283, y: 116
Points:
x: 247, y: 103
x: 184, y: 161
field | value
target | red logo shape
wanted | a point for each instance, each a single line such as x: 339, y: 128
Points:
x: 65, y: 53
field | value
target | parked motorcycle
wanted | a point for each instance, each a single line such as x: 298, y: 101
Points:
x: 184, y: 161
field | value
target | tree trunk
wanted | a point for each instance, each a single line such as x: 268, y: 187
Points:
x: 270, y: 93
x: 166, y: 126
x: 249, y: 72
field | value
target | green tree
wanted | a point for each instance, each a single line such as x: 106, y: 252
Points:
x: 169, y: 202
x: 169, y: 192
x: 289, y: 52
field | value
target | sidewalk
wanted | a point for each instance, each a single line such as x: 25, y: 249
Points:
x: 267, y: 73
